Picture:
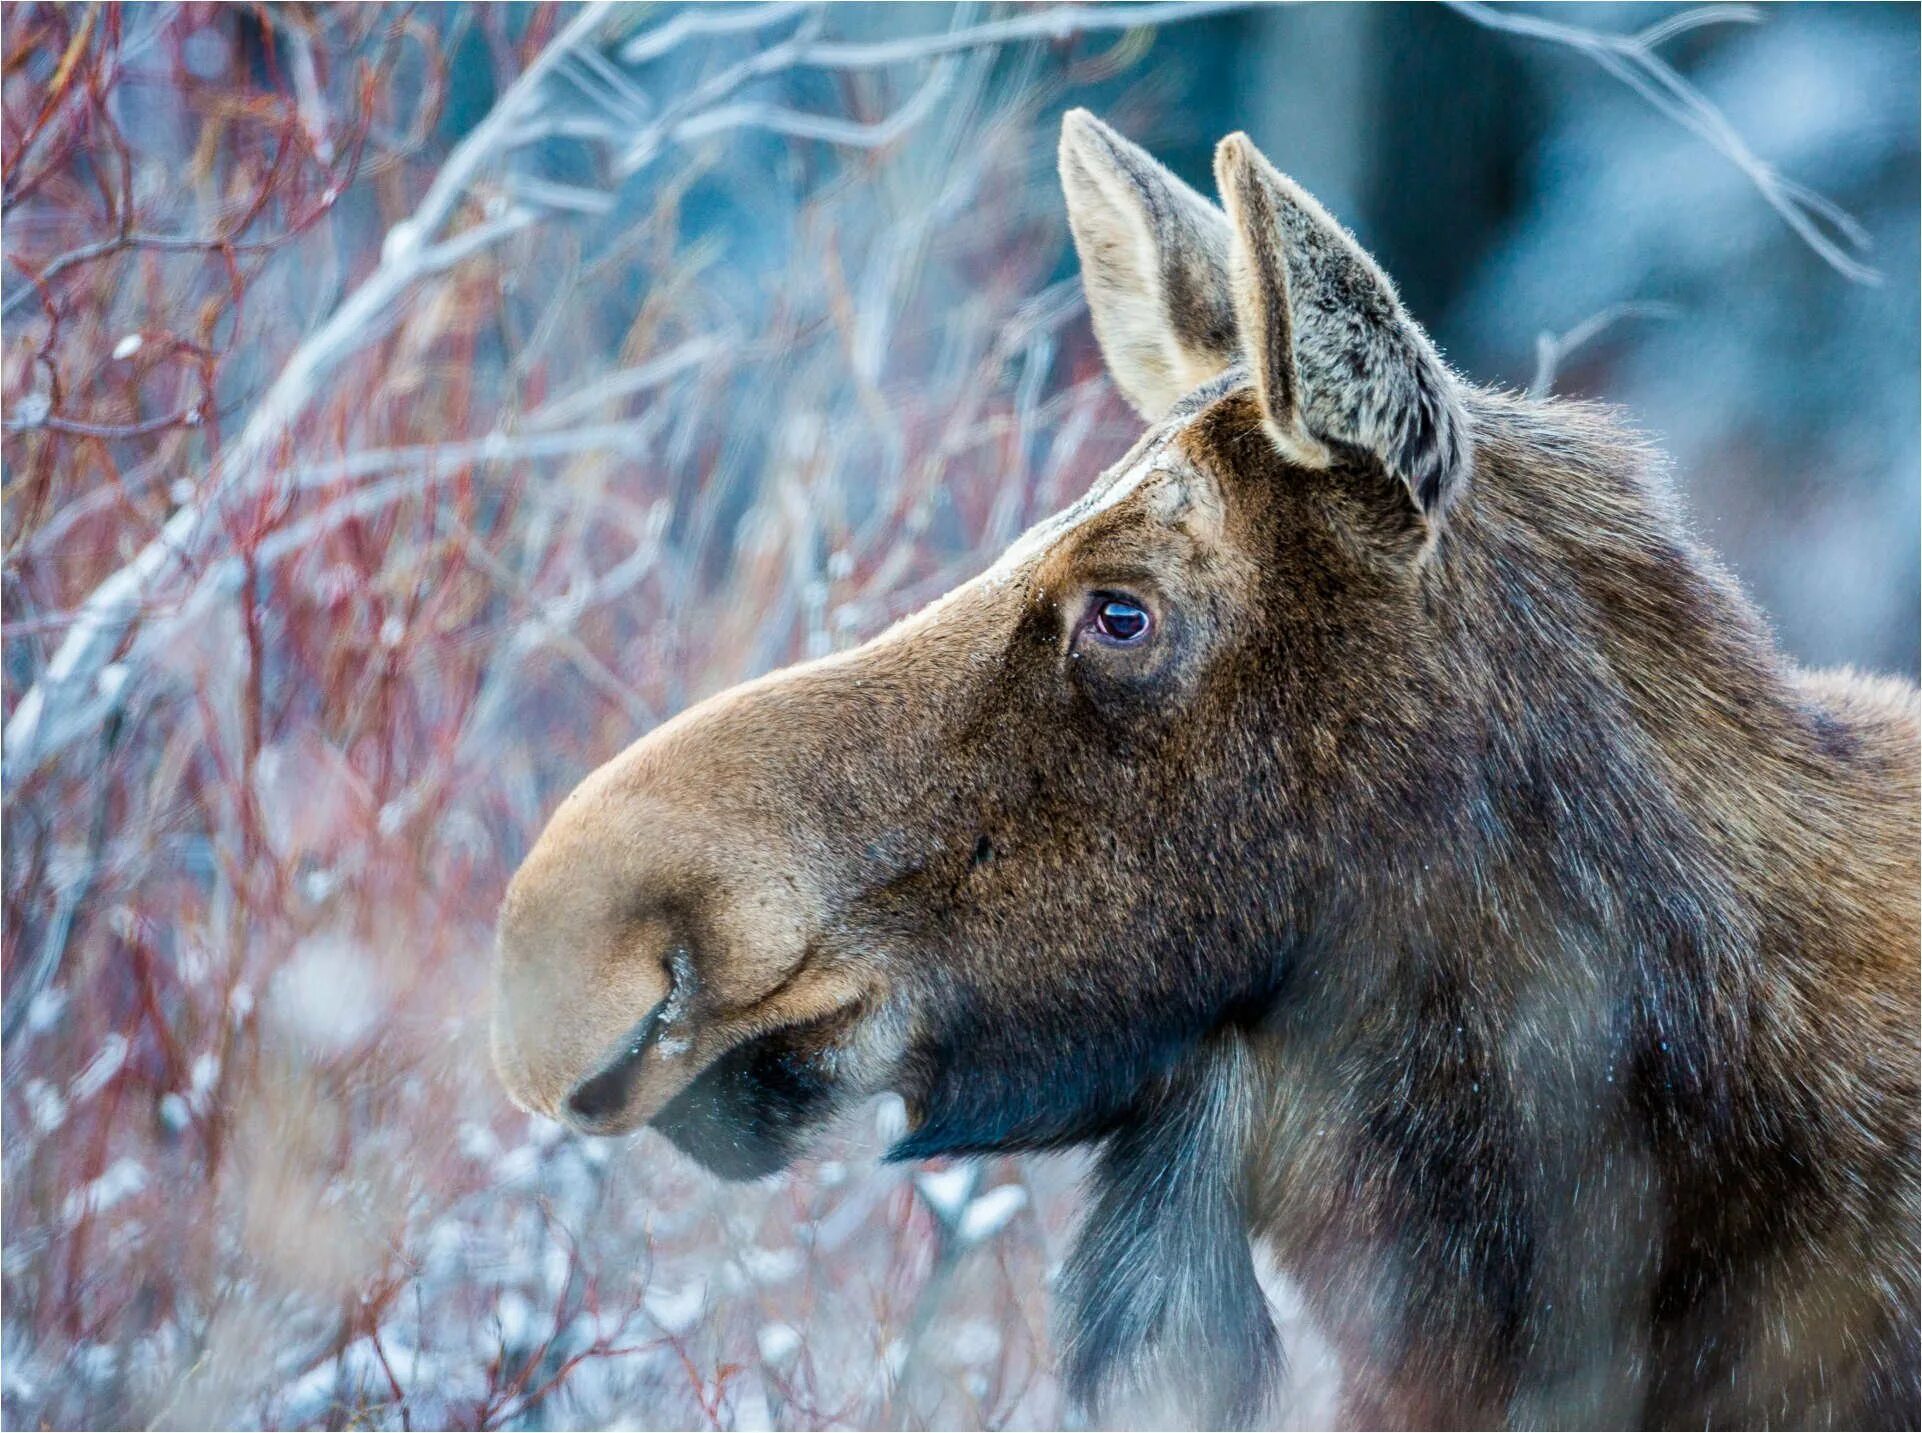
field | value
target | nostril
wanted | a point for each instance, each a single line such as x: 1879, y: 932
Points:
x: 603, y: 1095
x: 596, y: 1098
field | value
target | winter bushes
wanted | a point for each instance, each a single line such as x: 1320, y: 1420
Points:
x: 403, y: 411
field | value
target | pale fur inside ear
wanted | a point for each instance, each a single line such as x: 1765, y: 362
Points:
x: 1154, y: 266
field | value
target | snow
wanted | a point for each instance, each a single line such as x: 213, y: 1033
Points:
x: 676, y: 1310
x: 778, y: 1343
x: 989, y: 1215
x: 516, y: 1316
x: 770, y: 1266
x: 518, y: 1166
x: 399, y: 245
x: 316, y: 885
x: 326, y: 996
x: 100, y: 1069
x: 123, y: 1178
x: 478, y: 1142
x: 947, y: 1191
x: 890, y: 1117
x: 974, y: 1342
x: 45, y: 1008
x: 201, y: 1079
x: 45, y: 1106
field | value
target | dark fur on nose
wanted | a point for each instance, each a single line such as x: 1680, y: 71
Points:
x: 603, y: 1095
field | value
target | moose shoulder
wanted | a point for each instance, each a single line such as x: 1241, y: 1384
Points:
x: 1370, y: 820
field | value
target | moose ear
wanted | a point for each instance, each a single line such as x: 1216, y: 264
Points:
x: 1154, y: 265
x: 1332, y: 352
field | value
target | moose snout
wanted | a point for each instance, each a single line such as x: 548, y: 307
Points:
x: 634, y: 944
x: 573, y: 1052
x: 571, y: 1049
x: 663, y: 917
x: 582, y: 975
x: 599, y: 1099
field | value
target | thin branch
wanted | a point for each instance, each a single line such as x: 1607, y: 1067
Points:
x: 798, y: 124
x: 706, y: 20
x: 626, y: 382
x: 1553, y: 350
x: 1632, y: 60
x: 1054, y: 22
x: 48, y: 715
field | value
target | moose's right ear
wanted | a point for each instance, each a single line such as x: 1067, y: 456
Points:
x: 1154, y: 265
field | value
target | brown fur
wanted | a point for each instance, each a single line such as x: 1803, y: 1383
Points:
x: 1455, y: 894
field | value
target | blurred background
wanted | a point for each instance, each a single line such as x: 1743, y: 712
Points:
x: 405, y: 407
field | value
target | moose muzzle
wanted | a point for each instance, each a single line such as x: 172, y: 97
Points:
x: 674, y: 911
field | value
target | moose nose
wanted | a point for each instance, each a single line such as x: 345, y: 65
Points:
x: 566, y: 997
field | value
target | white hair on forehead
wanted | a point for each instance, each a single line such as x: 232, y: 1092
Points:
x: 1120, y: 482
x: 1143, y: 462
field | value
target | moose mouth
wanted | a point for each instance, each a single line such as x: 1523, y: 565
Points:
x: 745, y: 1115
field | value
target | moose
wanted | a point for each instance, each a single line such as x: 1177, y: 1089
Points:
x: 1371, y: 824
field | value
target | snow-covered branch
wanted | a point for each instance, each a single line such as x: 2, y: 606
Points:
x: 66, y: 700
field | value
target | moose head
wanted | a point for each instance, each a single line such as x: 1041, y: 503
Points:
x: 1319, y: 815
x: 1015, y: 855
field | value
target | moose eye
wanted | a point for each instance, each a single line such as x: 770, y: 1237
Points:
x: 1117, y: 620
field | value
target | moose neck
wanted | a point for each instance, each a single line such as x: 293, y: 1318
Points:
x: 1600, y: 850
x: 1559, y: 933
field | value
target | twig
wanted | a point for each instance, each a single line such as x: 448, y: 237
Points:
x: 1552, y: 350
x: 1054, y: 22
x: 706, y: 20
x: 798, y: 124
x: 50, y: 714
x: 1632, y: 60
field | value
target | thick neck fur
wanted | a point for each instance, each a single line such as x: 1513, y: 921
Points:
x: 1622, y: 1004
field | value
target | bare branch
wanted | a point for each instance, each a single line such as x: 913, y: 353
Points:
x: 1632, y: 60
x: 1553, y: 350
x: 48, y: 716
x: 1054, y: 22
x: 798, y: 124
x: 706, y: 20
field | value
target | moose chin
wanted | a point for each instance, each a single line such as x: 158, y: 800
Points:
x: 1368, y: 821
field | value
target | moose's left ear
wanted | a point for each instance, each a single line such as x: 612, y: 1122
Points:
x: 1333, y: 354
